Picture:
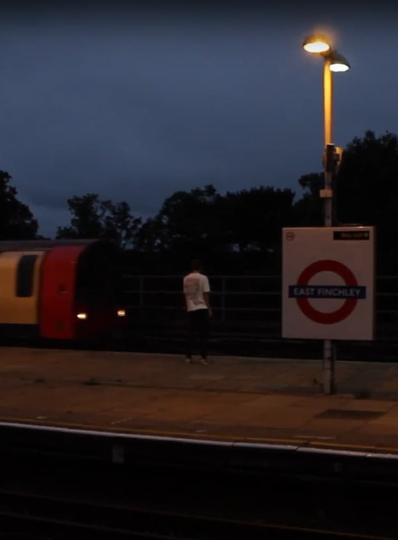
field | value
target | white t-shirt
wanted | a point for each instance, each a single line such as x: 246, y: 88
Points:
x: 195, y: 284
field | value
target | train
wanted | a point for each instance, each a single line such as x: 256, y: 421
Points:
x: 65, y: 290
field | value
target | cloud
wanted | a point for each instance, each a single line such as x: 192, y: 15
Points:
x: 135, y: 109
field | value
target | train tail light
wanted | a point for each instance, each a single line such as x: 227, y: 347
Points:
x: 121, y: 313
x: 82, y: 316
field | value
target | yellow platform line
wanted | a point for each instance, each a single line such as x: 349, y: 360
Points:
x: 203, y: 436
x: 364, y: 448
x: 153, y: 432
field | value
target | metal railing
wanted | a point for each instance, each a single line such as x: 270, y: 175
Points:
x: 254, y: 300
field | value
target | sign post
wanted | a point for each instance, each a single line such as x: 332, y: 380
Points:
x: 328, y: 356
x: 328, y: 287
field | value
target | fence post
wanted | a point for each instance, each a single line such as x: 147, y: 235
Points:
x: 223, y: 299
x: 141, y: 289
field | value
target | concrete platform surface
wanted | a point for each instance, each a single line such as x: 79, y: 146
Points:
x: 234, y: 398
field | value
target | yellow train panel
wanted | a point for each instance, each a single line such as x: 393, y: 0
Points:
x: 19, y: 286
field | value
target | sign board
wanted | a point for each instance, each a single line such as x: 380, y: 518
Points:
x: 328, y: 283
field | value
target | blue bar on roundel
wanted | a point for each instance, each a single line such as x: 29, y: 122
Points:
x: 333, y: 292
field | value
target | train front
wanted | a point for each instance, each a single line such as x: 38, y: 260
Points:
x: 99, y: 310
x: 81, y: 292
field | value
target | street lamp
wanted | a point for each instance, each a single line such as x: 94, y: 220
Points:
x: 334, y: 62
x: 339, y: 63
x: 316, y: 44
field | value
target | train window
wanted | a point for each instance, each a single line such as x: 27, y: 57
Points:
x: 98, y: 275
x: 25, y: 274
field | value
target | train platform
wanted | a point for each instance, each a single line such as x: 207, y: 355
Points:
x: 264, y: 401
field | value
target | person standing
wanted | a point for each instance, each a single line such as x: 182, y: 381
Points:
x: 196, y: 289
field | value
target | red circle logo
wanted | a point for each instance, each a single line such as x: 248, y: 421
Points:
x: 349, y: 304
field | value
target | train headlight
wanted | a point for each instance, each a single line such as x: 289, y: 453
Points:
x: 82, y: 316
x: 121, y: 313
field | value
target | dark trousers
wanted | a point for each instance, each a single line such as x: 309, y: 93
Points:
x: 198, y: 325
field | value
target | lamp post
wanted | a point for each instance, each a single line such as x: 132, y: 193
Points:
x: 333, y: 62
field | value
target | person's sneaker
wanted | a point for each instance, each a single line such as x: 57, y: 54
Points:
x: 188, y: 359
x: 204, y: 361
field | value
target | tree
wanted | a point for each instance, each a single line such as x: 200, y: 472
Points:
x: 366, y: 186
x: 150, y: 236
x: 366, y: 192
x: 253, y: 219
x: 219, y: 228
x: 119, y: 224
x: 93, y: 218
x: 16, y: 219
x: 188, y: 222
x: 308, y: 211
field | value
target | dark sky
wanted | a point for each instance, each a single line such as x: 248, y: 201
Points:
x: 135, y: 105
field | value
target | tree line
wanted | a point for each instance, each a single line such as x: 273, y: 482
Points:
x: 241, y: 228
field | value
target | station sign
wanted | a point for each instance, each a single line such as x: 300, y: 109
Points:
x: 328, y: 283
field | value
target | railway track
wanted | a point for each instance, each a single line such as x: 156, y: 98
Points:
x: 59, y: 518
x: 45, y: 497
